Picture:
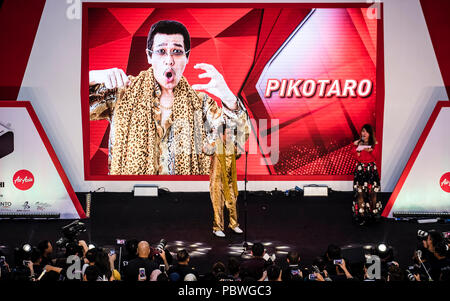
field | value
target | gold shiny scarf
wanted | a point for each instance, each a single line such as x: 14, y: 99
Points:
x: 138, y: 132
x: 222, y: 154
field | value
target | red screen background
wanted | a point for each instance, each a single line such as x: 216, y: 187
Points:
x: 315, y: 134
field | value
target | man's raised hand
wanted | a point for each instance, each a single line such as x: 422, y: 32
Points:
x: 112, y: 78
x: 216, y: 86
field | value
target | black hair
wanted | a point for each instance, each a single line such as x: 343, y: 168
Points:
x: 258, y: 249
x: 73, y: 249
x: 131, y: 247
x: 169, y: 27
x: 102, y: 262
x: 273, y: 272
x: 369, y: 129
x: 334, y: 252
x: 91, y: 254
x: 293, y: 257
x: 182, y: 255
x: 441, y: 249
x: 319, y: 261
x: 35, y: 255
x: 162, y: 277
x: 233, y: 265
x: 92, y: 273
x: 218, y: 267
x: 42, y: 246
x: 436, y: 237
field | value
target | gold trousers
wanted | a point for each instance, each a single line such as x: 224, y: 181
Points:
x: 218, y: 198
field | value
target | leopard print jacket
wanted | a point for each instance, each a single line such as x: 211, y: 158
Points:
x: 140, y: 145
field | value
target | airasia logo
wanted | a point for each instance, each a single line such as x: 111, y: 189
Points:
x: 445, y: 182
x: 23, y: 179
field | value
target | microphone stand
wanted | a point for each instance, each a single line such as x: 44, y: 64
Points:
x: 426, y: 271
x: 245, y: 244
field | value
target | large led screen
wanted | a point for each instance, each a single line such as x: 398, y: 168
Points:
x: 308, y: 76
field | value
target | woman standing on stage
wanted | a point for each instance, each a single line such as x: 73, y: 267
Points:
x: 367, y: 180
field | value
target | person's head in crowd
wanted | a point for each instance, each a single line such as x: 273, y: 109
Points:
x: 143, y: 249
x: 292, y: 272
x: 154, y: 275
x: 174, y: 277
x: 319, y: 261
x: 395, y: 273
x: 441, y: 250
x: 190, y: 277
x: 73, y: 248
x: 102, y: 262
x: 333, y: 252
x: 274, y: 273
x: 36, y: 256
x: 433, y: 239
x: 92, y: 273
x: 218, y: 268
x: 90, y: 256
x: 45, y: 248
x: 233, y: 267
x: 131, y: 247
x: 257, y: 250
x: 183, y: 257
x: 162, y: 277
x: 293, y: 258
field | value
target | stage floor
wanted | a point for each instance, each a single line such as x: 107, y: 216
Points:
x: 307, y: 224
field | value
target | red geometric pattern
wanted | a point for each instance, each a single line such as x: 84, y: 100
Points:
x: 436, y: 16
x: 315, y: 133
x: 225, y: 38
x: 19, y: 21
x: 239, y: 42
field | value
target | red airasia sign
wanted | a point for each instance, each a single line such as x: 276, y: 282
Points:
x: 444, y: 182
x: 23, y: 179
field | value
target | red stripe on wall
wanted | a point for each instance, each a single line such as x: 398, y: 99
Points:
x: 436, y: 14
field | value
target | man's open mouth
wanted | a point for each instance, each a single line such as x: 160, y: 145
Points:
x: 169, y: 74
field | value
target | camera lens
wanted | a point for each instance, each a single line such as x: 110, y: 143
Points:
x: 162, y: 245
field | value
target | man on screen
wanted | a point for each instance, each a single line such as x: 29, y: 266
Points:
x: 160, y: 125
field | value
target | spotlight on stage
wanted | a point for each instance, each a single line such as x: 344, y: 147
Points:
x: 385, y: 252
x: 272, y: 248
x: 382, y: 248
x: 195, y: 249
x: 26, y: 248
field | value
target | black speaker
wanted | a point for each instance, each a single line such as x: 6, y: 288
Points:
x: 6, y: 141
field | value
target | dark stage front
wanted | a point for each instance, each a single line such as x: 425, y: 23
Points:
x: 305, y: 224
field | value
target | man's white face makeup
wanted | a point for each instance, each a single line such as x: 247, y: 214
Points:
x: 168, y: 59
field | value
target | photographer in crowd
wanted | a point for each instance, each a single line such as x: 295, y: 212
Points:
x: 254, y: 267
x: 335, y: 265
x: 140, y: 268
x: 292, y: 271
x: 152, y: 264
x: 182, y: 267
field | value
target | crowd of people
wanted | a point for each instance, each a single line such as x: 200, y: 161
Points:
x: 142, y: 262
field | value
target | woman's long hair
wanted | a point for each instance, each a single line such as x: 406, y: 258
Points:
x: 369, y: 129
